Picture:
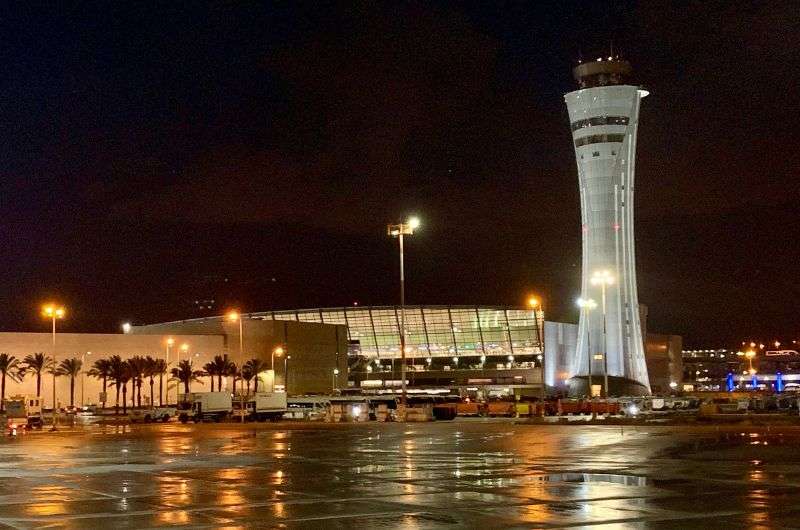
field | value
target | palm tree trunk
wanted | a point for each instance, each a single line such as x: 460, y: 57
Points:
x: 116, y: 403
x: 104, y: 390
x: 38, y: 384
x: 125, y: 398
x: 186, y: 385
x: 219, y: 381
x: 234, y: 385
x: 161, y: 389
x: 3, y: 394
x: 152, y: 403
x: 72, y: 391
x: 212, y: 383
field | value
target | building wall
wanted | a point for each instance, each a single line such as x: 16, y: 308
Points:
x: 560, y: 340
x: 664, y: 361
x: 311, y: 350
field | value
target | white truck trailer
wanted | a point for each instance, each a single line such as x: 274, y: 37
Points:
x: 205, y: 406
x: 264, y: 406
x: 24, y: 411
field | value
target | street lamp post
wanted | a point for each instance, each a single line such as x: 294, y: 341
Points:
x: 83, y: 375
x: 587, y: 305
x: 54, y: 313
x: 603, y: 279
x: 277, y: 350
x: 286, y: 374
x: 399, y: 230
x: 335, y: 373
x: 170, y: 343
x: 235, y: 316
x: 533, y: 303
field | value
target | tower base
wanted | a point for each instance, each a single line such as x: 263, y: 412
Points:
x: 618, y: 386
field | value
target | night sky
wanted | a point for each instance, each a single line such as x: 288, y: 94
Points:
x: 158, y: 154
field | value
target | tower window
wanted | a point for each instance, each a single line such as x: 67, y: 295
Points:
x: 596, y: 153
x: 599, y: 120
x: 599, y: 139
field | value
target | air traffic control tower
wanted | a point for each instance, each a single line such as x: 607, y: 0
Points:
x: 604, y: 116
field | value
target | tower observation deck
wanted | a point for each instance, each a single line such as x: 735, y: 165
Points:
x: 604, y: 117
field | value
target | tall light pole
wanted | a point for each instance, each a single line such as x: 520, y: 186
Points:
x: 286, y: 374
x: 603, y: 279
x: 170, y: 343
x: 277, y: 350
x: 534, y: 303
x: 587, y: 305
x: 399, y: 230
x: 54, y: 313
x: 235, y: 316
x: 83, y: 375
x: 335, y: 373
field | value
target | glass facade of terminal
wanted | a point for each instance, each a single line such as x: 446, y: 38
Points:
x: 431, y: 331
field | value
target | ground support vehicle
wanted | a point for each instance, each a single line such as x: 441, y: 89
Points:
x: 152, y: 414
x: 23, y: 412
x: 205, y: 406
x: 264, y: 406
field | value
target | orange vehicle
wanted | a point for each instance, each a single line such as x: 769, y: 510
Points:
x: 500, y: 408
x: 468, y: 408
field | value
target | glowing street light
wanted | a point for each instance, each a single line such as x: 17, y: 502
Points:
x: 399, y: 230
x: 587, y: 304
x: 277, y: 350
x: 535, y: 303
x: 335, y: 373
x: 126, y: 327
x: 750, y: 354
x: 603, y: 278
x: 54, y: 313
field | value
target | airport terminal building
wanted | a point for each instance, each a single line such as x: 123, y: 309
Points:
x: 499, y: 350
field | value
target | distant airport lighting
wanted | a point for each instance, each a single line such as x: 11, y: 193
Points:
x: 753, y: 371
x: 740, y: 353
x: 51, y: 311
x: 533, y: 302
x: 603, y: 277
x: 170, y: 341
x: 483, y: 359
x: 586, y: 303
x: 752, y: 344
x: 414, y: 223
x: 750, y: 354
x: 126, y: 327
x: 233, y: 316
x: 673, y: 385
x: 777, y: 344
x: 455, y: 360
x: 761, y: 346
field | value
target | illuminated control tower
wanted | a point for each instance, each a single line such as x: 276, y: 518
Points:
x: 604, y: 116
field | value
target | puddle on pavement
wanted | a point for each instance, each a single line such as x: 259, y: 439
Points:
x: 625, y: 480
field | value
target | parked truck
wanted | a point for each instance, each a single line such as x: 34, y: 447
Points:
x: 204, y: 406
x: 264, y: 406
x: 24, y: 411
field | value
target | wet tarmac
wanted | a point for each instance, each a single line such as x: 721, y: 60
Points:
x: 463, y: 474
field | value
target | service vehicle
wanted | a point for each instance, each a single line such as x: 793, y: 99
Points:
x: 23, y: 412
x: 151, y: 414
x: 263, y: 406
x: 205, y: 406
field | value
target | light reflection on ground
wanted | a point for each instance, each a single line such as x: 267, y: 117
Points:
x: 475, y: 473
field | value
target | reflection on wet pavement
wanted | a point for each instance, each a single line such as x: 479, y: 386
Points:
x: 472, y: 474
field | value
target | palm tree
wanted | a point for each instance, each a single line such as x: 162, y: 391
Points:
x: 101, y: 369
x: 9, y: 367
x: 233, y: 371
x: 72, y: 368
x: 222, y: 365
x: 137, y: 365
x: 117, y: 373
x: 160, y: 368
x: 246, y: 374
x: 210, y: 369
x: 150, y: 373
x: 186, y: 374
x: 123, y: 376
x: 37, y: 363
x: 256, y: 366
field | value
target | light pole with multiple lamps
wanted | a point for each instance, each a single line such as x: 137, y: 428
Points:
x: 399, y: 230
x: 587, y: 304
x: 603, y: 279
x: 54, y: 313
